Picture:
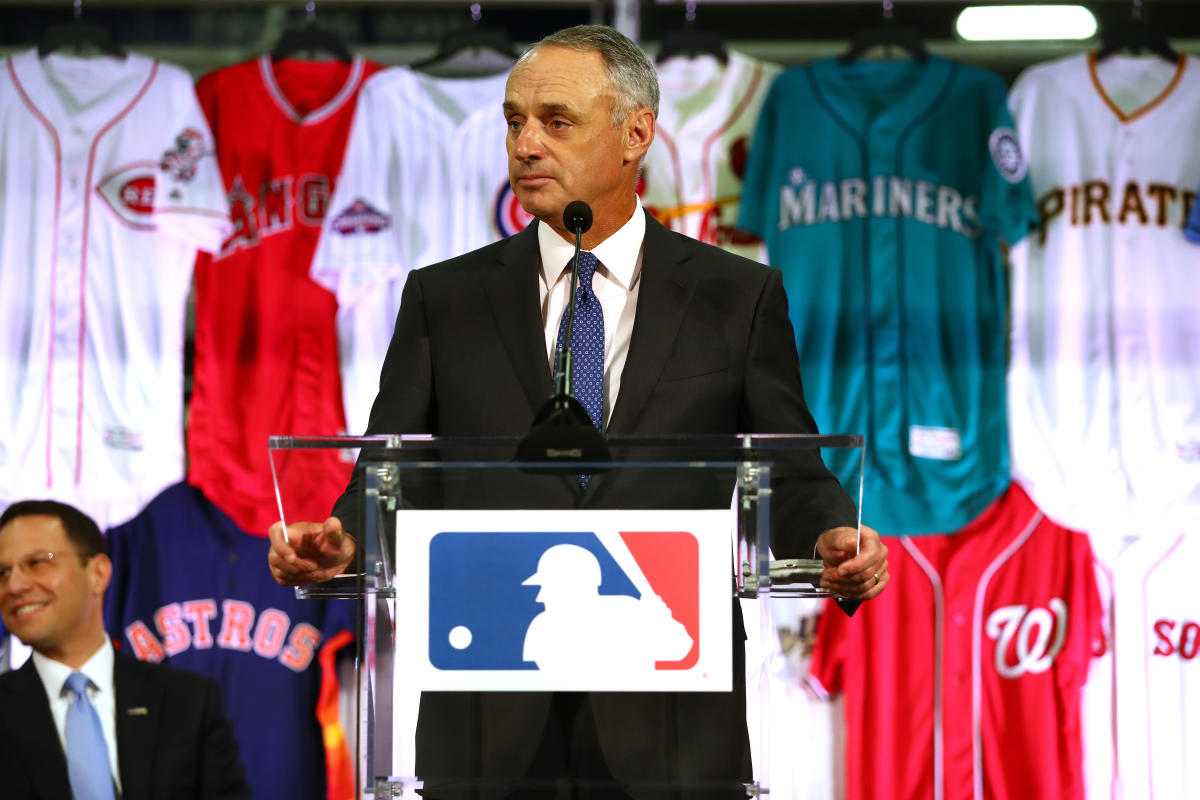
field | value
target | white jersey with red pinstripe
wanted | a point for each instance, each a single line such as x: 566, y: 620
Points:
x: 108, y: 186
x: 964, y: 679
x: 692, y: 176
x: 1157, y: 635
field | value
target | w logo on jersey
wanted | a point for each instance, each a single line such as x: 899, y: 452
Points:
x: 1027, y: 639
x: 567, y: 601
x: 510, y: 216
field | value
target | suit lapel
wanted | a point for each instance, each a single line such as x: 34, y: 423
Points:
x: 32, y: 727
x: 512, y: 291
x: 138, y: 708
x: 666, y: 290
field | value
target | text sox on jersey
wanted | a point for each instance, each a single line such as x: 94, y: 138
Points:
x: 806, y: 201
x: 190, y: 624
x: 279, y: 204
x: 1177, y: 638
x: 1096, y: 202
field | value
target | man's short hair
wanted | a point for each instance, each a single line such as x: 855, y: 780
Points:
x: 81, y: 529
x: 630, y: 71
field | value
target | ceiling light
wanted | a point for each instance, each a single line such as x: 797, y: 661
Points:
x: 1024, y: 23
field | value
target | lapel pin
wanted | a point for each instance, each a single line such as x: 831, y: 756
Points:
x: 137, y: 711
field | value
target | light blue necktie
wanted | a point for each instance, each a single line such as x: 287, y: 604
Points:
x: 587, y: 346
x: 87, y: 754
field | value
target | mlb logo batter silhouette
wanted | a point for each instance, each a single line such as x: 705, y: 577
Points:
x: 564, y: 602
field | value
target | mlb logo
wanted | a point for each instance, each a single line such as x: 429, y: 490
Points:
x: 565, y: 601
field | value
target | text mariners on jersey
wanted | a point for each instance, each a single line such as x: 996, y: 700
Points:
x: 1096, y: 202
x: 1177, y: 638
x: 804, y: 200
x: 189, y: 624
x: 280, y: 201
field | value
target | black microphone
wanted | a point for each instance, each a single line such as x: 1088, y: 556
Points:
x: 562, y: 431
x: 577, y: 218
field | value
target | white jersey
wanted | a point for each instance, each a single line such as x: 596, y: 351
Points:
x: 391, y: 211
x: 692, y: 175
x: 1104, y: 388
x: 798, y: 721
x: 108, y: 186
x: 485, y: 207
x: 1157, y: 633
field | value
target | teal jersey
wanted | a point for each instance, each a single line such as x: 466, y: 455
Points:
x: 883, y: 190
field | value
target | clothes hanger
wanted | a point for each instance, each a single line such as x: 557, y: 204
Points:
x: 78, y: 33
x: 473, y: 37
x: 691, y: 41
x: 889, y: 34
x: 1135, y: 35
x: 311, y: 39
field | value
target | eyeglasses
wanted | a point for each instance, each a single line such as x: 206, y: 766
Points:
x: 35, y: 565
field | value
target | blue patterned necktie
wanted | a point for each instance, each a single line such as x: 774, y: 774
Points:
x: 587, y: 346
x: 587, y: 343
x: 87, y: 754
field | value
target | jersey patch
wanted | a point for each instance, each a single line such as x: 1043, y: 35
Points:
x: 180, y: 162
x: 1007, y: 155
x: 360, y: 217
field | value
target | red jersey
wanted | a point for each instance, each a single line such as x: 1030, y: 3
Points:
x: 964, y: 678
x: 266, y: 335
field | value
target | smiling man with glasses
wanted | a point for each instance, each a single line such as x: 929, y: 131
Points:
x: 81, y: 720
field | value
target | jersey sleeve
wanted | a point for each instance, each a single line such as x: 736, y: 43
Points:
x: 755, y: 209
x: 1086, y: 634
x: 1006, y: 200
x: 389, y: 211
x: 189, y: 193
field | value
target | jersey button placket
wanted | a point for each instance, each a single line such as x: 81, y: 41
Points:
x: 884, y: 328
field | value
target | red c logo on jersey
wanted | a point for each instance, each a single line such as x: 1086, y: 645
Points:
x: 129, y: 192
x: 1023, y: 635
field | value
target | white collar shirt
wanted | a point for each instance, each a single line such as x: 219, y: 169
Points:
x: 615, y: 284
x: 102, y: 694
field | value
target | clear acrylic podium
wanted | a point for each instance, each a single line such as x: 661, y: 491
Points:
x: 482, y: 577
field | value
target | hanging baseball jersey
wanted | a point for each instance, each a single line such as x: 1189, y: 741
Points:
x: 882, y: 190
x: 109, y: 187
x: 1104, y: 387
x: 191, y: 589
x: 692, y: 175
x: 485, y: 208
x: 390, y: 212
x: 1157, y: 632
x: 266, y: 337
x: 798, y: 721
x: 963, y: 679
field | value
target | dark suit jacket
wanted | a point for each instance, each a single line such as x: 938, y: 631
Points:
x: 712, y: 352
x: 173, y: 738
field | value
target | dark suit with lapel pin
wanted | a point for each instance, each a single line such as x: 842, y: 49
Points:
x: 174, y: 741
x: 712, y: 352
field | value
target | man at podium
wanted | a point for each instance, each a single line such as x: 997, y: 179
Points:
x: 671, y: 336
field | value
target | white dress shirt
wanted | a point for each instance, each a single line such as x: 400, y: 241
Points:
x: 102, y: 694
x: 615, y: 283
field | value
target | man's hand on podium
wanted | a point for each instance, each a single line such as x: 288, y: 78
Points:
x: 851, y: 571
x: 309, y: 552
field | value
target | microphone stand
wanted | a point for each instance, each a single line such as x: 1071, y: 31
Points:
x: 562, y: 431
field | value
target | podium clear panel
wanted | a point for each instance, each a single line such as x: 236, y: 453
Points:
x: 534, y: 630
